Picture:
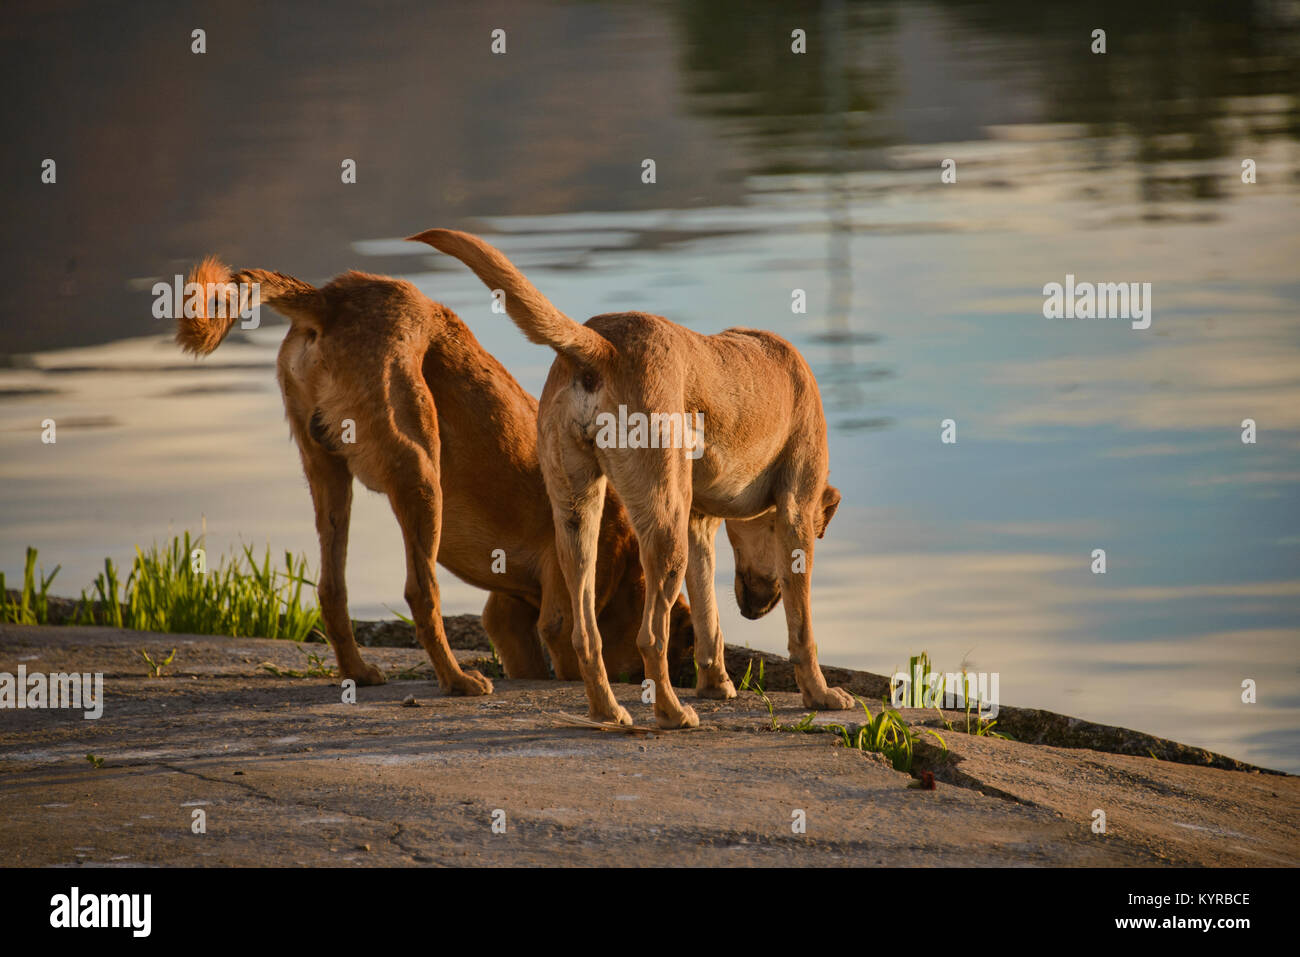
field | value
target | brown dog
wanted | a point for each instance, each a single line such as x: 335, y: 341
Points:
x: 383, y: 384
x: 762, y: 467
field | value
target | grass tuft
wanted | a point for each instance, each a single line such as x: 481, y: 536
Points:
x: 885, y: 733
x: 31, y: 607
x: 748, y: 677
x: 167, y: 590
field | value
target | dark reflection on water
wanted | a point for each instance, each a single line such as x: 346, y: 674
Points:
x: 164, y: 155
x: 1171, y: 69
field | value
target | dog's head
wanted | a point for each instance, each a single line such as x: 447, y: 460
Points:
x: 761, y: 555
x: 681, y: 637
x: 619, y: 622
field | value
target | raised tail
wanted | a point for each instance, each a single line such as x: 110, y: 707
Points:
x: 201, y: 327
x: 532, y: 312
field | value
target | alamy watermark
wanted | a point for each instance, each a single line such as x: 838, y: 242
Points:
x: 1105, y: 300
x: 75, y: 909
x: 954, y: 690
x: 190, y: 300
x: 59, y: 690
x: 658, y: 430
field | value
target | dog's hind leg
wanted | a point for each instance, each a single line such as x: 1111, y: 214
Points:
x: 711, y: 679
x: 796, y: 529
x: 511, y: 623
x: 331, y: 494
x: 417, y: 503
x: 410, y: 452
x: 663, y: 533
x: 577, y: 492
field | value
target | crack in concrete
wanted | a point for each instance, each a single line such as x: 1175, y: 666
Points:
x: 280, y: 802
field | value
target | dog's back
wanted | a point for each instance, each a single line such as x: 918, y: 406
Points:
x: 384, y: 358
x: 375, y: 376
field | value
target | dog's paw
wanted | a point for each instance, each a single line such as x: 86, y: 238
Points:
x: 368, y: 675
x: 618, y: 716
x: 470, y: 684
x: 684, y: 718
x: 723, y: 691
x: 829, y: 699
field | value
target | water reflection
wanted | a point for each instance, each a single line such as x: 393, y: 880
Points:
x: 777, y: 171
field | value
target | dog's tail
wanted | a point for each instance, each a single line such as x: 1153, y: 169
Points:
x: 532, y: 312
x: 200, y: 327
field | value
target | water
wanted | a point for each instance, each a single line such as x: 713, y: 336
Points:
x: 774, y: 172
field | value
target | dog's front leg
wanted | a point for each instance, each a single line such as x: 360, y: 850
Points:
x: 796, y: 528
x: 711, y: 679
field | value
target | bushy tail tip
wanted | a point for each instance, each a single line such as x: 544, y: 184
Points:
x: 200, y: 330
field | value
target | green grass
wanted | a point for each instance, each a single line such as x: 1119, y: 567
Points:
x: 983, y: 729
x: 805, y: 725
x: 885, y: 733
x: 32, y: 605
x: 317, y: 667
x: 405, y: 619
x: 156, y: 667
x: 757, y: 685
x: 915, y: 698
x: 163, y: 592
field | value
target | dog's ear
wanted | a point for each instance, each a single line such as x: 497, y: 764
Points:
x: 830, y: 502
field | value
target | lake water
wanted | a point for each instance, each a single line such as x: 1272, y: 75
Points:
x: 775, y: 172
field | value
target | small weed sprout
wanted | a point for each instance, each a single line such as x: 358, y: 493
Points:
x: 156, y: 667
x: 983, y: 728
x: 317, y: 667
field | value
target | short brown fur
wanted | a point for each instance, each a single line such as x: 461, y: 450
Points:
x: 763, y: 471
x: 445, y: 432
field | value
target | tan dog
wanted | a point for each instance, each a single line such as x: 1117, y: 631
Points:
x: 450, y: 437
x: 762, y: 467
